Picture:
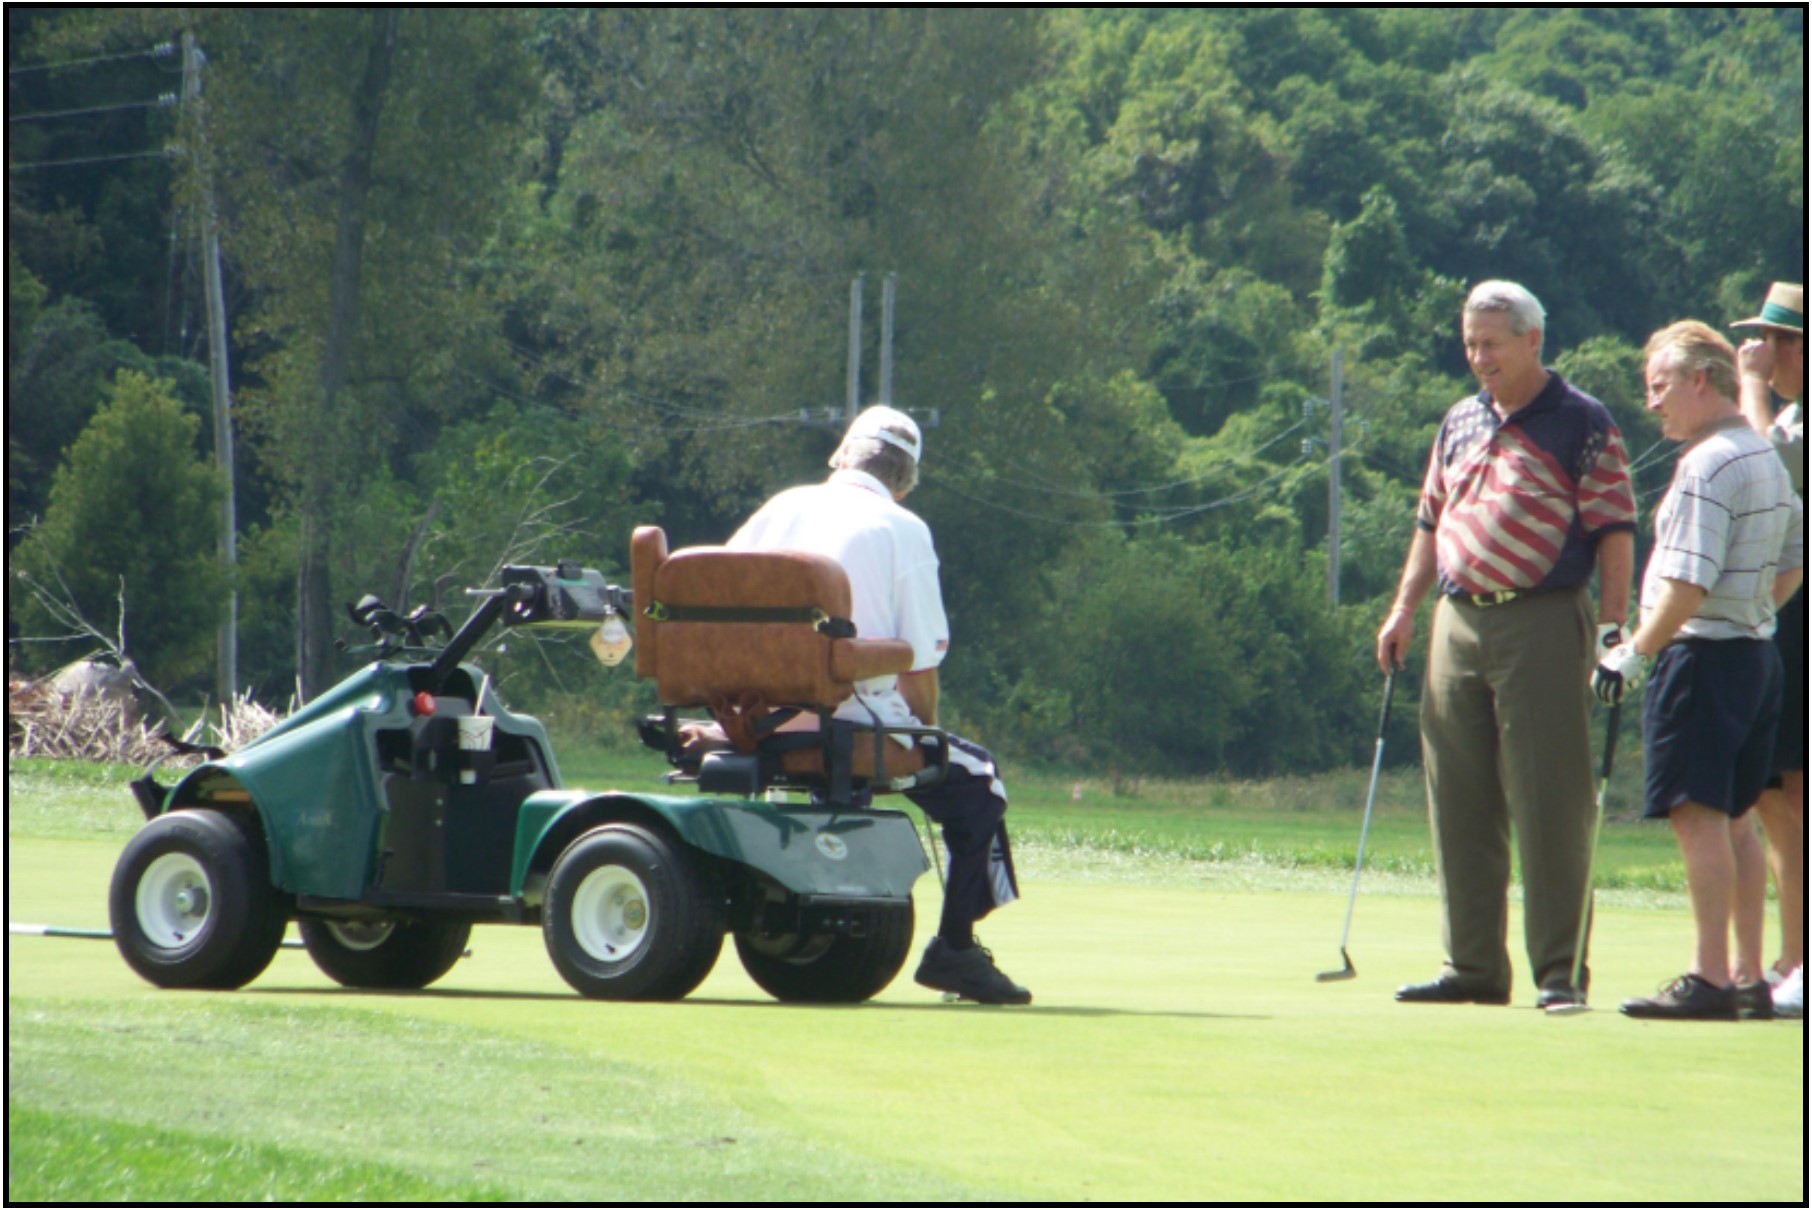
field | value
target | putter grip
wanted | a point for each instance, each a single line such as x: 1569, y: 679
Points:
x: 1610, y: 738
x: 1390, y: 686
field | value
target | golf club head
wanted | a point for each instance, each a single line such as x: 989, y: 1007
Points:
x: 1345, y: 972
x: 1575, y: 1009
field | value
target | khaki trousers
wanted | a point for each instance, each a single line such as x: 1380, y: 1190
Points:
x: 1506, y: 743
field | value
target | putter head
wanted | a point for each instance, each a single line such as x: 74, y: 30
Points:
x: 1345, y: 972
x: 1576, y: 1008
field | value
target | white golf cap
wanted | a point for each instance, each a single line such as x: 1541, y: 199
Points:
x: 889, y: 426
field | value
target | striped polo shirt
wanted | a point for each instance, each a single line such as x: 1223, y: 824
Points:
x: 1519, y: 503
x: 1730, y: 521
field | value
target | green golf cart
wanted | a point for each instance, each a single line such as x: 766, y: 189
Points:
x: 394, y: 812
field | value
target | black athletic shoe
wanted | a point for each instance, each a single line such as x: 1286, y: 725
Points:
x: 1448, y: 990
x: 1755, y: 1002
x: 1688, y: 998
x: 1556, y: 997
x: 969, y: 973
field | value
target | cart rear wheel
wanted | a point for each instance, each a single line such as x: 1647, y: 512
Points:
x: 385, y: 953
x: 628, y: 916
x: 831, y: 968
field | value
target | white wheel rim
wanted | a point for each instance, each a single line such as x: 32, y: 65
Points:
x: 361, y: 935
x: 610, y: 914
x: 174, y: 900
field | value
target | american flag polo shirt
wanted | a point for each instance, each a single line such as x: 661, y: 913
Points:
x: 1519, y: 504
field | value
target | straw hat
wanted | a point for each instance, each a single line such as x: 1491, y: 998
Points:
x: 1785, y: 310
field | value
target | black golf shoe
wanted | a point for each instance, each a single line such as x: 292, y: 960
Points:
x: 1688, y: 998
x: 1755, y: 1002
x: 1448, y: 990
x: 969, y: 973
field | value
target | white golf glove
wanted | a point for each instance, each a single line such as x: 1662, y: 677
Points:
x: 1609, y: 635
x: 1619, y: 671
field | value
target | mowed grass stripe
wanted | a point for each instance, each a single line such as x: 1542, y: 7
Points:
x: 386, y: 1096
x: 1305, y: 824
x: 67, y: 1157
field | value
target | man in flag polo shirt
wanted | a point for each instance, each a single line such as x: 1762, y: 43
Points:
x: 856, y: 518
x: 1527, y: 494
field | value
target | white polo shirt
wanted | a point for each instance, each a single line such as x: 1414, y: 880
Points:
x: 887, y: 553
x: 1729, y: 522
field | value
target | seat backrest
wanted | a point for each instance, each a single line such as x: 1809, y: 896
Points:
x: 715, y: 624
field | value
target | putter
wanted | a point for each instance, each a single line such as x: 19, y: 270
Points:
x: 1585, y: 909
x: 1346, y: 970
x: 54, y: 930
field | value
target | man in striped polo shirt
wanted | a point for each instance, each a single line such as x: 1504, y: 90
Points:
x: 1527, y: 494
x: 1729, y: 550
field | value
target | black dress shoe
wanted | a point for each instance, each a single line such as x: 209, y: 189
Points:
x: 1446, y: 990
x: 1688, y: 998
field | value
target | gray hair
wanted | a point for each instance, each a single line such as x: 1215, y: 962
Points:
x: 1523, y: 308
x: 1691, y: 347
x: 894, y: 467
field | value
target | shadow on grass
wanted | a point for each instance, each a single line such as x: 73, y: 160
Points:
x: 1039, y: 1010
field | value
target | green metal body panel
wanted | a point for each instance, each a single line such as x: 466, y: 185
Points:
x: 315, y: 779
x: 808, y: 850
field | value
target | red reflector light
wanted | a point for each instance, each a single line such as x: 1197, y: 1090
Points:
x: 424, y: 703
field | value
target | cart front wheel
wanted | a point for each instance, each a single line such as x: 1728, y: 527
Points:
x: 192, y: 903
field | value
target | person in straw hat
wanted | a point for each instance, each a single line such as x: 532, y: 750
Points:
x: 1772, y: 362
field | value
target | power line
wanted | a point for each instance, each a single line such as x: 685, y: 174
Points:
x: 99, y: 159
x: 162, y: 50
x: 645, y: 401
x: 1154, y: 519
x: 1644, y: 461
x: 719, y: 424
x: 1240, y: 459
x: 163, y: 102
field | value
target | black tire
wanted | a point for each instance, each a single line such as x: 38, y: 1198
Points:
x: 628, y: 916
x: 832, y: 968
x: 386, y: 953
x: 192, y: 903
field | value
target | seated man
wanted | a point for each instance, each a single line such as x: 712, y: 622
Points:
x: 855, y: 518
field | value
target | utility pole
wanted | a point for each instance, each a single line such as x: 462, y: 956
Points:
x: 226, y: 674
x: 1334, y: 483
x: 853, y: 397
x: 887, y: 339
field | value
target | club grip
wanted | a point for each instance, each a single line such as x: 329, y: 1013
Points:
x: 1610, y: 738
x: 1390, y: 686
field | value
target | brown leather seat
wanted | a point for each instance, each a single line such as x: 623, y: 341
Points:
x: 748, y: 633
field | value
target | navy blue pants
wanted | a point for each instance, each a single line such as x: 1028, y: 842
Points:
x: 970, y: 805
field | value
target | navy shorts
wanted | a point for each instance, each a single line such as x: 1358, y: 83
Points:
x: 1790, y: 736
x: 1708, y: 725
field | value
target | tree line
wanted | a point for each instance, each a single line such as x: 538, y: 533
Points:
x: 502, y: 284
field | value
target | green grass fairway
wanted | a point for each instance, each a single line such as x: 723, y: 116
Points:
x: 1179, y: 1049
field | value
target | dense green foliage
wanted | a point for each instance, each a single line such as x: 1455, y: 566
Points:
x: 129, y: 530
x: 503, y: 283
